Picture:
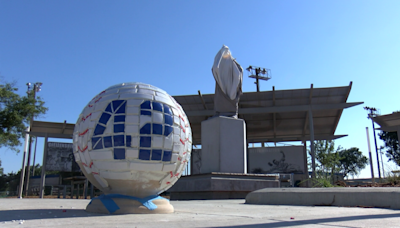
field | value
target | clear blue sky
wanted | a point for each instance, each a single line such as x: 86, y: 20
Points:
x: 79, y: 48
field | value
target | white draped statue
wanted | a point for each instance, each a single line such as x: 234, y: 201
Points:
x: 228, y: 76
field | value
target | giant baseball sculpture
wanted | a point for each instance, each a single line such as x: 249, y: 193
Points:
x: 132, y: 141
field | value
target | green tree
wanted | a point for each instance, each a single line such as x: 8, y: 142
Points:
x: 352, y: 161
x: 15, y: 113
x: 327, y: 157
x: 392, y: 146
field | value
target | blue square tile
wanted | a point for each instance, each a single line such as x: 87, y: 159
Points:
x: 146, y: 129
x: 104, y: 118
x: 119, y: 153
x: 94, y: 141
x: 145, y: 113
x: 119, y: 128
x: 108, y: 109
x: 156, y: 155
x: 128, y: 140
x: 107, y: 141
x: 145, y: 105
x: 157, y: 106
x: 119, y: 140
x: 157, y: 129
x: 168, y: 120
x: 167, y: 109
x: 145, y: 141
x: 167, y: 156
x: 121, y: 109
x: 167, y: 130
x: 99, y: 130
x: 116, y: 104
x: 144, y: 154
x: 119, y: 118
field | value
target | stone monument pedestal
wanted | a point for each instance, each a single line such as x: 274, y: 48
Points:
x: 223, y: 145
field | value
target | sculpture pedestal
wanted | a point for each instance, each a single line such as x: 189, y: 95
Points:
x: 223, y: 145
x: 123, y: 205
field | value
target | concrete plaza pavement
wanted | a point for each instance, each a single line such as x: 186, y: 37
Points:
x: 192, y: 213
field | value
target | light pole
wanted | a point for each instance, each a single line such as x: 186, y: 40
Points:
x: 372, y: 113
x: 256, y: 72
x: 25, y: 171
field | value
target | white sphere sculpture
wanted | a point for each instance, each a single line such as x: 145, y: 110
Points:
x: 132, y: 139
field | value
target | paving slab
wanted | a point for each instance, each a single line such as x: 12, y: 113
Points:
x: 192, y: 213
x: 352, y: 197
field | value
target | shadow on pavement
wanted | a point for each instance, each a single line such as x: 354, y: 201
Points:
x: 319, y: 221
x: 44, y: 214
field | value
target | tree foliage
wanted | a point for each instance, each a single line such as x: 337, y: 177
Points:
x: 15, y: 113
x: 331, y: 160
x: 391, y: 145
x: 352, y: 161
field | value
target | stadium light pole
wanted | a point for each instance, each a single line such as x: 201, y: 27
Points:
x: 372, y: 113
x: 25, y: 170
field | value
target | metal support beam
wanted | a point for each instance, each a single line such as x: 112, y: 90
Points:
x: 278, y: 109
x: 312, y: 141
x: 309, y: 102
x: 202, y: 100
x: 341, y: 111
x: 43, y: 178
x: 63, y: 127
x: 274, y: 114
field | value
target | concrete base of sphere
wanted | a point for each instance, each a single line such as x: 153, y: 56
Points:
x: 128, y: 206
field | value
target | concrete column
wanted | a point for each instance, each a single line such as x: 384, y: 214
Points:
x: 311, y: 123
x: 28, y: 166
x: 43, y: 178
x: 21, y: 181
x: 398, y: 135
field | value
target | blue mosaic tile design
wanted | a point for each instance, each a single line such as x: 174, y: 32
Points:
x: 146, y: 129
x: 119, y: 119
x: 119, y: 153
x: 99, y: 145
x: 118, y: 128
x: 121, y: 109
x: 119, y: 140
x: 146, y: 105
x: 167, y: 156
x: 157, y: 129
x: 145, y: 141
x: 107, y: 141
x: 144, y: 154
x: 104, y: 118
x: 108, y: 109
x: 114, y: 107
x: 128, y: 140
x: 157, y: 106
x: 149, y: 129
x: 156, y: 155
x: 95, y: 140
x: 116, y: 104
x: 167, y: 110
x: 168, y: 120
x: 167, y: 130
x: 99, y: 130
x: 146, y: 113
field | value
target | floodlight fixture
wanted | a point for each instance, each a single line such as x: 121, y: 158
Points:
x: 259, y: 74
